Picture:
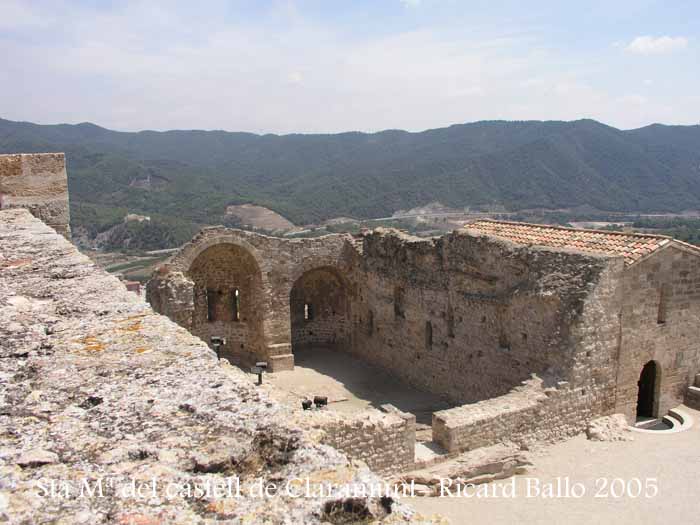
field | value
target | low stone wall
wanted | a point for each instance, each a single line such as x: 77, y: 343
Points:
x: 529, y: 413
x: 386, y: 442
x: 38, y: 182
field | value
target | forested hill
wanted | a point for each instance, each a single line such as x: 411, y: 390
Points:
x: 193, y: 175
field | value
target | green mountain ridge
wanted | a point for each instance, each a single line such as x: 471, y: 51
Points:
x: 189, y: 176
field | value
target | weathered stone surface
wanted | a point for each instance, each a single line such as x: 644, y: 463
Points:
x: 609, y: 428
x: 385, y: 441
x: 98, y: 387
x: 37, y: 458
x: 38, y: 182
x: 469, y: 316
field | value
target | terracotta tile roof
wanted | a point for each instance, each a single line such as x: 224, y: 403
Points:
x: 631, y: 246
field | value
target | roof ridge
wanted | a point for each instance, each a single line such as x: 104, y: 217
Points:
x: 687, y: 244
x: 587, y: 230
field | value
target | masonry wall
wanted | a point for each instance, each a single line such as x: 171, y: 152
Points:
x: 386, y: 442
x: 476, y: 316
x: 530, y: 413
x: 617, y: 333
x: 319, y: 310
x: 280, y: 262
x: 172, y: 295
x: 39, y: 183
x: 673, y: 344
x: 227, y: 297
x: 552, y: 405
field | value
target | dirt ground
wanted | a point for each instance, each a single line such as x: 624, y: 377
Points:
x: 259, y: 217
x: 351, y: 385
x: 671, y: 462
x: 653, y: 479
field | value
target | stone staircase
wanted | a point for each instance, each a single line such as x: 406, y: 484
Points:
x: 692, y: 396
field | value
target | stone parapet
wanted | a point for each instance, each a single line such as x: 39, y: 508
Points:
x: 38, y: 182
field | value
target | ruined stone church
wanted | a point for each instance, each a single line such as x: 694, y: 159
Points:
x: 530, y: 330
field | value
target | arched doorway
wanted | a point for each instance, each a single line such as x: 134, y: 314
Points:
x: 228, y: 301
x: 318, y: 307
x: 647, y: 403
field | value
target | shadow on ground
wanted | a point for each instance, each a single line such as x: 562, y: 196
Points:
x: 352, y: 385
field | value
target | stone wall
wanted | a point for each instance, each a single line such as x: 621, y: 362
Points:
x: 38, y: 182
x: 671, y: 277
x: 467, y: 316
x: 227, y: 301
x: 553, y: 406
x: 386, y: 442
x: 487, y: 422
x: 625, y: 322
x: 530, y: 413
x: 281, y: 263
x: 319, y: 310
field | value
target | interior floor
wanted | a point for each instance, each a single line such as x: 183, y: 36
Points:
x: 353, y: 385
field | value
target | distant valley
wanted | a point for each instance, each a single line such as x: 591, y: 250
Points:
x: 183, y: 180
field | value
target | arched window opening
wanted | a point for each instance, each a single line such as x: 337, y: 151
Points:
x: 212, y: 304
x: 227, y: 294
x: 236, y: 304
x: 308, y: 312
x: 663, y: 305
x: 318, y: 310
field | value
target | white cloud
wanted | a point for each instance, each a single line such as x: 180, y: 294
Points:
x: 295, y: 77
x: 649, y: 45
x: 16, y: 15
x: 410, y: 3
x: 145, y: 66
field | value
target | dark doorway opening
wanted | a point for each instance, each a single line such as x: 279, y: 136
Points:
x: 646, y: 395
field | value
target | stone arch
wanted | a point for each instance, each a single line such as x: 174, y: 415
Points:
x: 319, y: 309
x: 648, y: 390
x: 195, y: 248
x: 228, y: 299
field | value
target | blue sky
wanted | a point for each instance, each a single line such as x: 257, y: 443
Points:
x: 328, y: 66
